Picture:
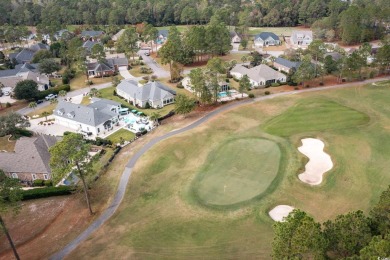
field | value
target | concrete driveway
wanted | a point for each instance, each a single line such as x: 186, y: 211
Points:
x: 157, y: 69
x: 125, y: 73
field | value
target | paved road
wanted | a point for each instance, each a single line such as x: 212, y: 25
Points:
x: 129, y: 167
x: 27, y: 110
x: 157, y: 69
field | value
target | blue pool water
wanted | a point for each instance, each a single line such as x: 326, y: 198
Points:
x: 130, y: 120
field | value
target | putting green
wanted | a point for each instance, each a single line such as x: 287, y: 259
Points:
x: 237, y: 171
x: 315, y: 114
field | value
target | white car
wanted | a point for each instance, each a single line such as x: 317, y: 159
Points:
x: 6, y: 93
x: 51, y: 96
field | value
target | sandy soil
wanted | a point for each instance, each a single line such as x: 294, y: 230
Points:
x: 319, y: 161
x: 280, y: 212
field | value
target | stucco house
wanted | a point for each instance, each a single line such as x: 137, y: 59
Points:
x: 286, y: 65
x: 259, y: 76
x: 301, y: 39
x: 266, y: 39
x: 92, y: 120
x: 30, y: 159
x: 154, y: 93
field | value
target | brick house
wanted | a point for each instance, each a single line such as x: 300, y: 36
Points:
x: 30, y: 159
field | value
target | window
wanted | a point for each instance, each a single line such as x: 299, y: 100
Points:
x: 15, y: 176
x: 45, y: 177
x: 33, y: 176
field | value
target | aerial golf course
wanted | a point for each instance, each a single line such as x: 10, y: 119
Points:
x: 207, y: 193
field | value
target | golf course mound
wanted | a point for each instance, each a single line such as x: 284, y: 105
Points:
x: 237, y: 171
x: 315, y: 114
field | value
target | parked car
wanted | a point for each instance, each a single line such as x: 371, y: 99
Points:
x: 51, y: 96
x: 6, y: 93
x: 147, y: 54
x: 39, y: 101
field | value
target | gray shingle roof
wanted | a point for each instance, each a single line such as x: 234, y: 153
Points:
x: 259, y: 73
x: 91, y: 33
x: 118, y: 61
x: 102, y: 66
x: 151, y: 91
x: 265, y: 35
x: 31, y: 155
x: 89, y: 44
x: 90, y: 115
x: 287, y: 63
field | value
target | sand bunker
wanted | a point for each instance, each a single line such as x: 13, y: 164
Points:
x: 280, y: 212
x: 319, y: 161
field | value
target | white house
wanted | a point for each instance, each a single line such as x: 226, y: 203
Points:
x: 186, y: 82
x: 259, y: 76
x: 301, y: 39
x: 94, y: 119
x: 266, y: 39
x: 235, y: 37
x: 153, y: 93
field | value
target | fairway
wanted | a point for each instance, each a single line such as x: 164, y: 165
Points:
x: 237, y: 171
x: 207, y: 193
x: 315, y: 115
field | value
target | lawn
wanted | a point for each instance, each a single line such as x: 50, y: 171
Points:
x: 286, y: 31
x: 13, y: 108
x: 233, y: 172
x: 6, y: 145
x: 49, y: 108
x: 125, y: 134
x: 79, y: 81
x: 180, y: 28
x: 160, y: 218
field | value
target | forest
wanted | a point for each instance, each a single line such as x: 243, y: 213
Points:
x: 359, y: 21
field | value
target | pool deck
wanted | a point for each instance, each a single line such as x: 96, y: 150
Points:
x: 233, y: 97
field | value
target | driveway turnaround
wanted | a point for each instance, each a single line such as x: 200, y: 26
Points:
x: 125, y: 73
x: 129, y: 167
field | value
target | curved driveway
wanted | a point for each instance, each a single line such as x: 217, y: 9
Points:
x: 129, y: 167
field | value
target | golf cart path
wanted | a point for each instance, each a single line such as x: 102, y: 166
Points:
x: 129, y: 167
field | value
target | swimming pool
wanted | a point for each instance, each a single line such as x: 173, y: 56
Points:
x: 225, y: 93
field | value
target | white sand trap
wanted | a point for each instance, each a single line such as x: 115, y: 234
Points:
x: 319, y: 161
x: 280, y: 212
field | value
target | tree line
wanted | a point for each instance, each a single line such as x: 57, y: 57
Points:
x: 358, y: 21
x: 348, y: 236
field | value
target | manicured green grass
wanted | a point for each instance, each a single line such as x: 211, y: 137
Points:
x: 233, y: 172
x: 286, y: 31
x: 315, y: 115
x: 180, y: 28
x: 125, y: 134
x: 160, y: 219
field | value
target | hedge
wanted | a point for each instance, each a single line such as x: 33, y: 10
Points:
x: 55, y: 90
x: 46, y: 192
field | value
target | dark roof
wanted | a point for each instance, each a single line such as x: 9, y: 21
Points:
x: 118, y: 61
x: 233, y: 34
x: 287, y: 63
x: 266, y: 35
x: 335, y: 55
x: 31, y: 155
x: 89, y: 44
x: 102, y: 66
x: 39, y: 46
x: 91, y: 33
x: 19, y: 68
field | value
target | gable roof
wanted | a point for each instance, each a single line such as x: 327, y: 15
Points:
x: 164, y: 33
x: 265, y: 35
x: 116, y: 36
x: 39, y: 46
x: 88, y: 115
x: 99, y: 66
x: 119, y: 61
x: 31, y: 155
x: 259, y: 73
x: 91, y: 33
x: 287, y: 63
x: 151, y: 91
x: 301, y: 34
x: 89, y: 44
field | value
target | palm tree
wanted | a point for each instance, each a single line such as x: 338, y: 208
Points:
x: 45, y: 114
x: 62, y: 93
x: 94, y: 92
x: 155, y: 116
x: 32, y: 105
x: 244, y: 58
x: 53, y: 101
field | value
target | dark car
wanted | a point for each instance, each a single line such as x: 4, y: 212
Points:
x: 39, y: 101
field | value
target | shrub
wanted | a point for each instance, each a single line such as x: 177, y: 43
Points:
x: 321, y: 83
x: 275, y: 85
x: 153, y: 77
x: 179, y: 85
x: 372, y: 74
x: 145, y: 78
x: 235, y: 79
x: 296, y: 88
x: 307, y: 86
x: 43, y: 94
x: 251, y: 95
x: 48, y: 183
x: 8, y: 104
x: 227, y: 80
x: 140, y: 58
x: 99, y: 141
x: 114, y: 93
x: 65, y: 80
x: 38, y: 183
x: 267, y: 93
x: 46, y: 192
